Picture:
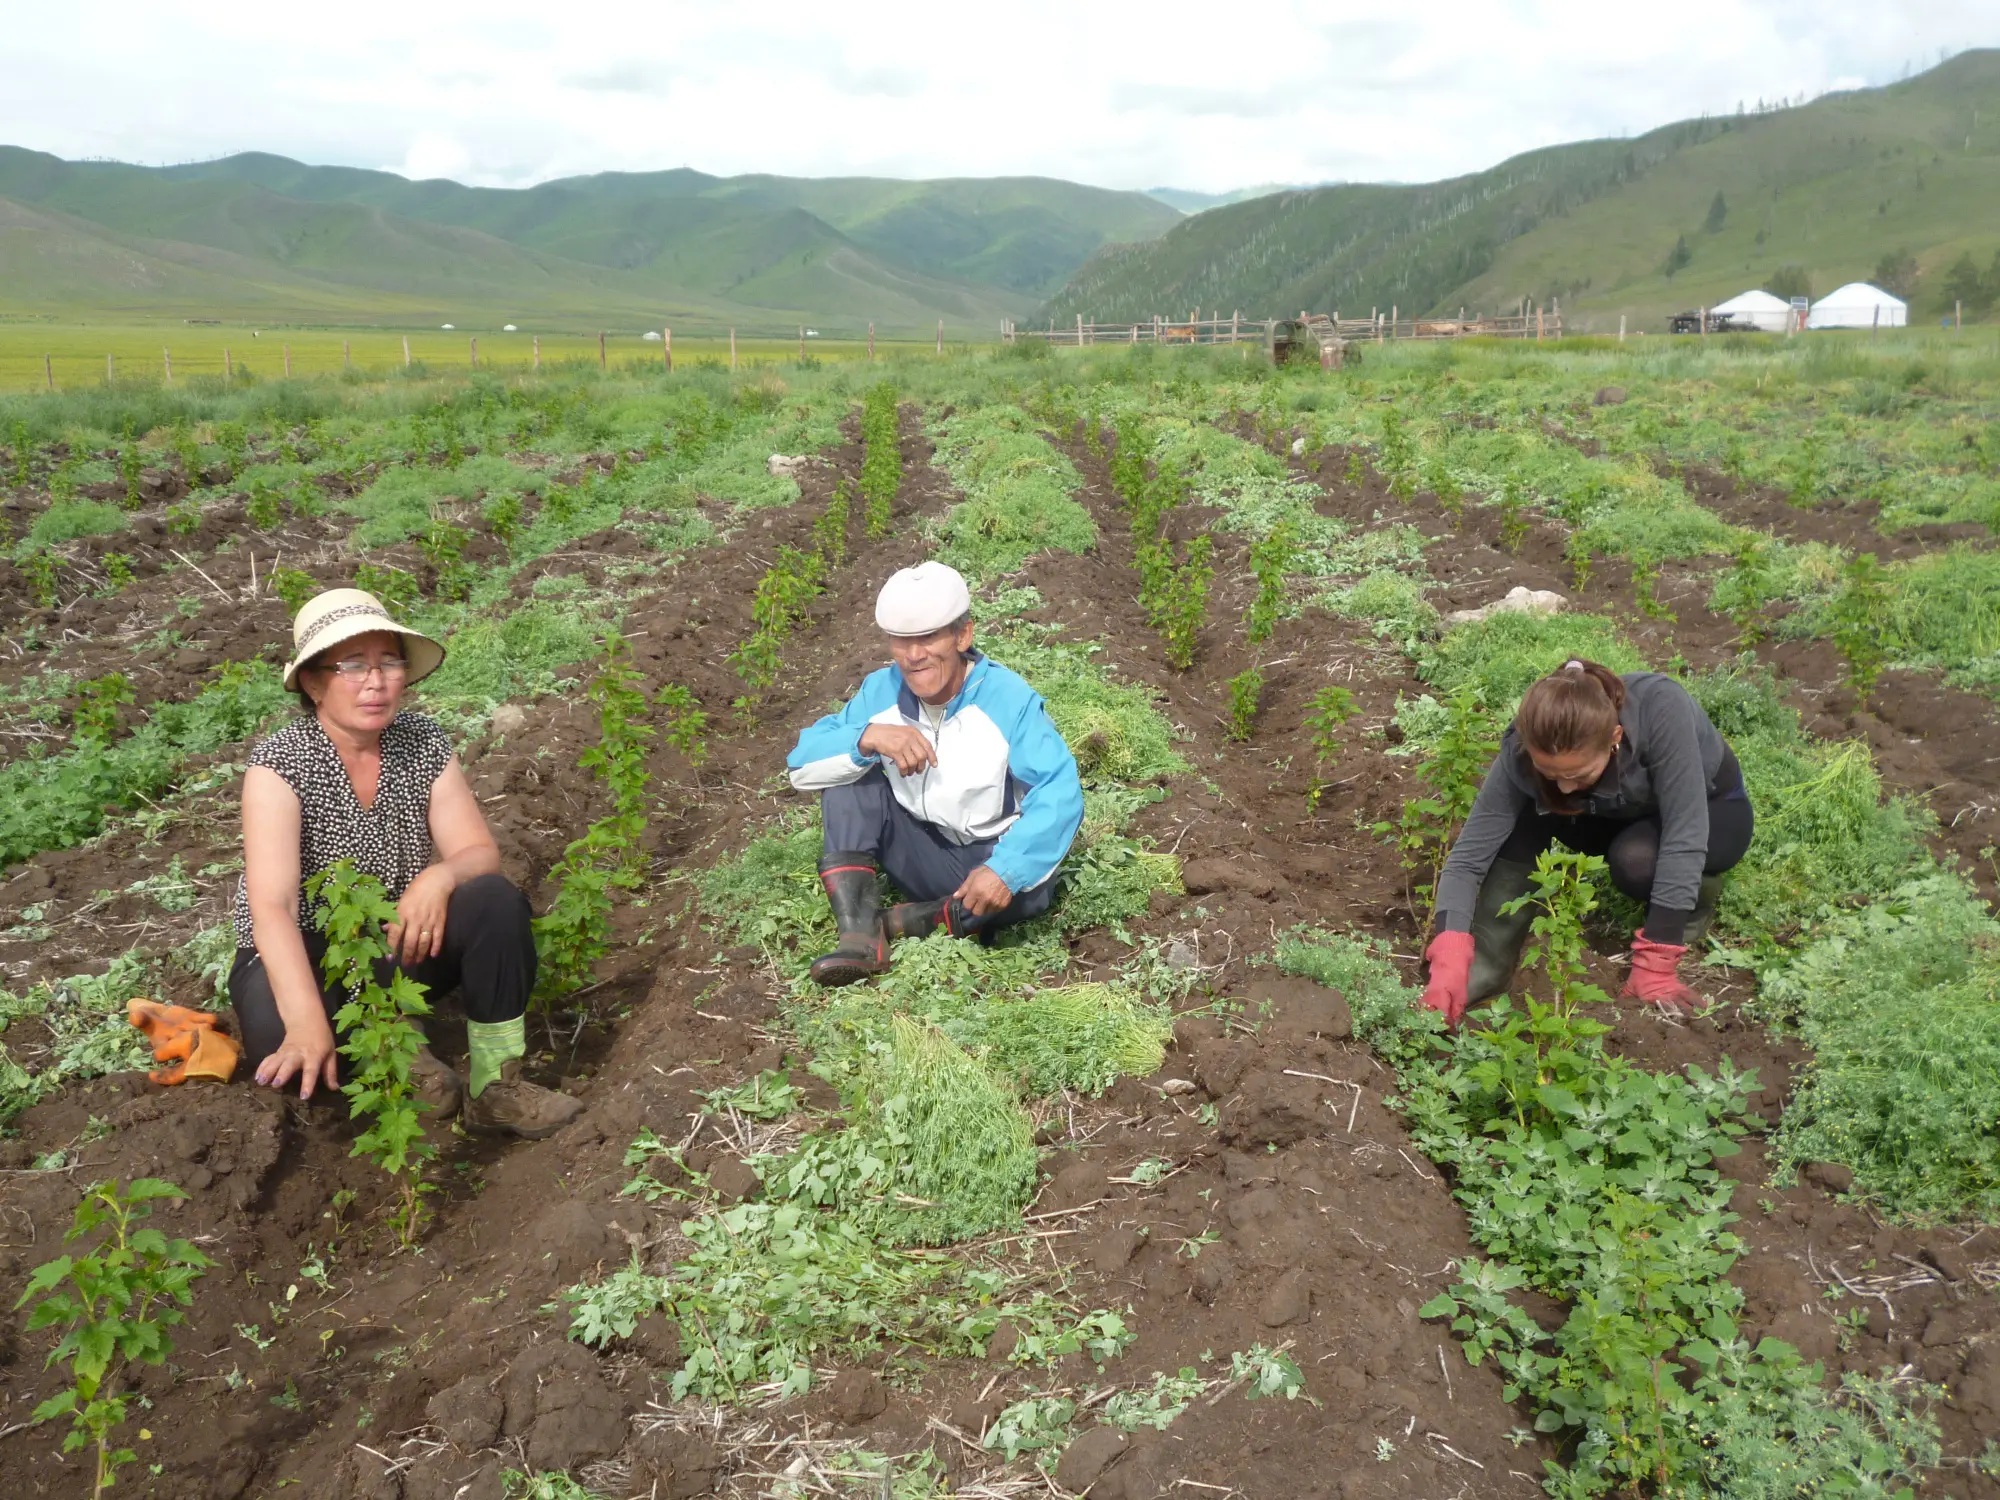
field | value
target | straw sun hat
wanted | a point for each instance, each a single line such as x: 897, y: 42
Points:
x: 325, y: 620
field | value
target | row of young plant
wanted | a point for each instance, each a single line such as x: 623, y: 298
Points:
x: 1596, y: 1182
x: 941, y: 1063
x: 502, y: 648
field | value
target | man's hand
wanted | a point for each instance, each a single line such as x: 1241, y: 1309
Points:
x: 418, y: 931
x: 903, y: 747
x: 983, y: 893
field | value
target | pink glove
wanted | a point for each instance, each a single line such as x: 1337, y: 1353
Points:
x: 1450, y: 956
x: 1656, y: 978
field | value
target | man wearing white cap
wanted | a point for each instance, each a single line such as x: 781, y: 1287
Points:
x: 946, y: 772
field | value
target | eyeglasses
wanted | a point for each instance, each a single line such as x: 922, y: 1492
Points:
x: 355, y: 669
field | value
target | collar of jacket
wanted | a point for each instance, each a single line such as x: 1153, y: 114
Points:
x: 911, y: 706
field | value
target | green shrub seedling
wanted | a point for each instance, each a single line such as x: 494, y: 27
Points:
x: 262, y: 509
x: 235, y: 445
x: 40, y: 571
x: 687, y: 723
x: 293, y: 586
x: 1513, y: 515
x: 1331, y: 708
x: 1270, y: 560
x: 1645, y: 575
x: 117, y: 571
x: 131, y: 466
x: 882, y: 459
x: 97, y: 701
x: 503, y: 515
x: 114, y: 1304
x: 1424, y: 833
x: 379, y: 1034
x: 1859, y: 611
x: 393, y: 586
x: 184, y: 516
x: 1185, y: 606
x: 1246, y: 692
x: 830, y: 530
x: 24, y: 455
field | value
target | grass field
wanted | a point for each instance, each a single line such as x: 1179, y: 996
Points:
x: 76, y: 351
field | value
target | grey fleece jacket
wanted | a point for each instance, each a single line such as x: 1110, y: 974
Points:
x: 1665, y: 765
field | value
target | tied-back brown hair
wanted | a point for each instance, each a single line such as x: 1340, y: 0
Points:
x: 1575, y: 707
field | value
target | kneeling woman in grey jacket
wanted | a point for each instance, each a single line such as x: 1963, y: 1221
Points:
x: 1629, y: 768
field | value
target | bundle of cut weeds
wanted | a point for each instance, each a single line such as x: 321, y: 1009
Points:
x: 1080, y: 1036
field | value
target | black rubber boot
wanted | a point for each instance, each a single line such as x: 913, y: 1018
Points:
x: 1704, y: 912
x: 1497, y: 940
x: 919, y: 919
x: 853, y: 889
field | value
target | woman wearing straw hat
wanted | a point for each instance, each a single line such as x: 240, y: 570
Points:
x: 356, y: 777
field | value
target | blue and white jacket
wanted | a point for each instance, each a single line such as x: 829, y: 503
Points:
x: 1003, y: 770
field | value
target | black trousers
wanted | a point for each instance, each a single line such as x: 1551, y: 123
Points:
x: 864, y: 817
x: 488, y: 954
x: 1630, y: 848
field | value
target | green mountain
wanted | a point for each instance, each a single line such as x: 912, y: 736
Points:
x: 262, y: 233
x: 1830, y: 187
x: 1188, y: 201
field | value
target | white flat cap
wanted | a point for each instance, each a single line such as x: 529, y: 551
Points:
x: 916, y: 601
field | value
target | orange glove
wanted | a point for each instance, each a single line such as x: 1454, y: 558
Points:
x: 1656, y: 976
x: 187, y: 1039
x: 1450, y: 955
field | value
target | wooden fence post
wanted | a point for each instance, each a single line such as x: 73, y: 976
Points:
x: 229, y: 370
x: 167, y: 358
x: 1135, y: 334
x: 475, y: 351
x: 667, y: 348
x: 346, y: 354
x: 538, y: 354
x: 871, y: 343
x: 600, y: 351
x: 732, y: 351
x: 1621, y: 328
x: 1957, y: 314
x: 940, y: 336
x: 288, y: 361
x: 1702, y: 313
x: 1393, y: 310
x: 49, y: 370
x: 1874, y: 329
x: 1079, y: 330
x: 108, y: 376
x: 1538, y: 322
x: 1235, y: 323
x: 406, y: 353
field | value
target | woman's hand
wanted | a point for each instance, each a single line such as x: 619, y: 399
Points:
x: 306, y: 1051
x: 418, y: 931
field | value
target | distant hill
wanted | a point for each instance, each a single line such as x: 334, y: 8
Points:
x: 264, y: 235
x: 1830, y: 186
x: 1190, y: 202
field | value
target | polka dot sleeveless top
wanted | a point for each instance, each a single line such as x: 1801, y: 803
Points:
x: 391, y: 840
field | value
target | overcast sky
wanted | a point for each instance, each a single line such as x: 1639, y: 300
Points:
x: 1123, y: 93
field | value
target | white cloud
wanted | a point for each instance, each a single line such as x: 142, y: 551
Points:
x: 1127, y: 94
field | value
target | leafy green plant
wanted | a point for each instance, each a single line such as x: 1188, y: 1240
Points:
x: 184, y: 515
x: 1128, y: 458
x: 1513, y: 515
x: 1858, y: 615
x: 114, y: 1304
x: 98, y: 699
x: 117, y: 571
x: 396, y: 588
x: 1271, y: 558
x: 503, y: 515
x: 40, y: 573
x: 830, y: 530
x: 1457, y: 764
x: 1748, y: 586
x: 131, y: 467
x: 443, y: 546
x: 1246, y: 692
x: 262, y: 509
x: 378, y: 1033
x: 234, y: 442
x: 1328, y: 713
x: 882, y: 459
x: 687, y: 722
x: 1645, y: 576
x: 778, y: 608
x: 1397, y: 456
x: 293, y: 587
x: 24, y: 455
x: 1185, y: 605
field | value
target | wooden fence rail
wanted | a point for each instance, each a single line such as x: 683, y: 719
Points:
x: 1378, y: 327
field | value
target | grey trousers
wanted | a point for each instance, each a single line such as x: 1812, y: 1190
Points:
x: 864, y: 817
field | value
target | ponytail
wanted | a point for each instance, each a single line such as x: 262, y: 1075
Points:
x: 1575, y: 707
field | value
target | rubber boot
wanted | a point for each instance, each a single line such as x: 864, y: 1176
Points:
x: 1497, y: 940
x: 919, y: 919
x: 854, y: 891
x: 1703, y: 913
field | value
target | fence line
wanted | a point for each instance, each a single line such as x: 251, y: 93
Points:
x: 1377, y: 327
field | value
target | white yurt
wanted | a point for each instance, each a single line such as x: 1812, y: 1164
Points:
x: 1858, y: 305
x: 1757, y: 308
